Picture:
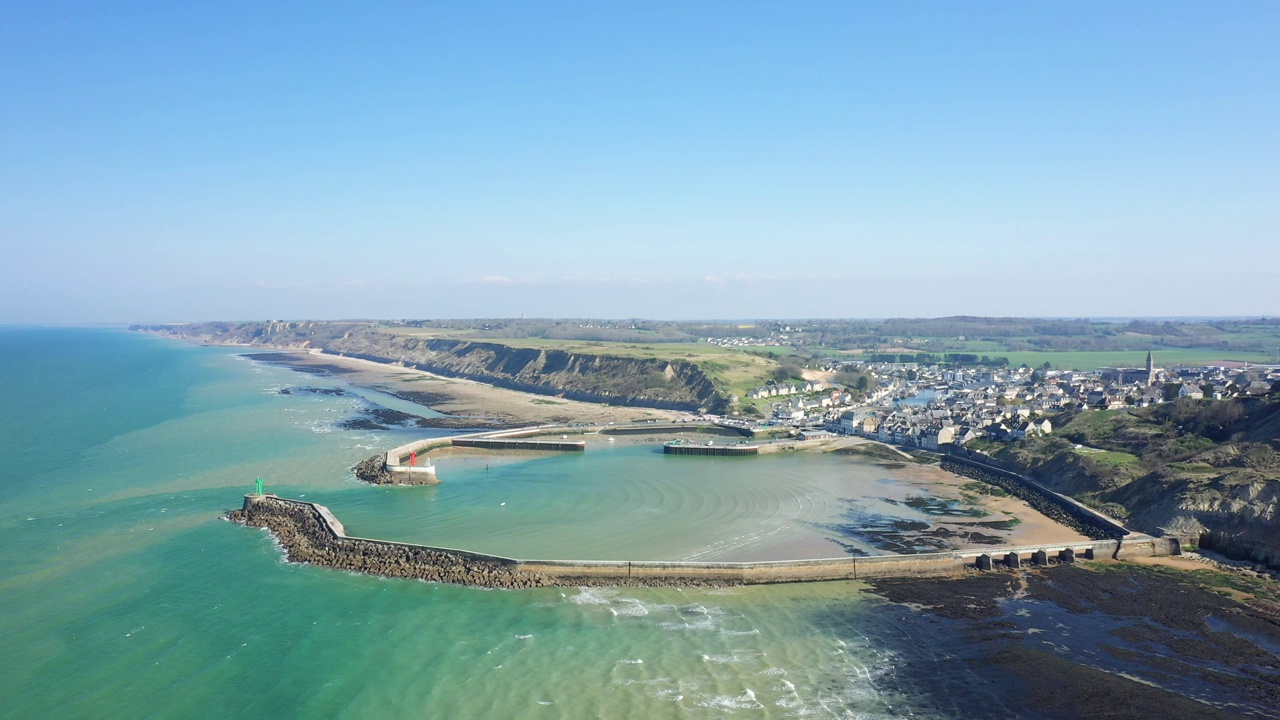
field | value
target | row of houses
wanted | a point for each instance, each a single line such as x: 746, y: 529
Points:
x: 932, y: 428
x: 776, y: 389
x: 1013, y: 404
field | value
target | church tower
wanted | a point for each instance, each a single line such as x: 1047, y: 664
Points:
x: 1151, y: 369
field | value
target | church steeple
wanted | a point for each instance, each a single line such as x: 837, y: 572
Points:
x: 1151, y: 368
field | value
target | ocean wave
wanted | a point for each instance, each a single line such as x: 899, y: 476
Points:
x: 629, y: 607
x: 592, y: 596
x: 745, y: 701
x: 651, y: 681
x: 704, y: 624
x: 735, y: 656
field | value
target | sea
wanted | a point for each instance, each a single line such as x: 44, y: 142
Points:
x: 124, y: 594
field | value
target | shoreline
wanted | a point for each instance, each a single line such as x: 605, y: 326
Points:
x: 454, y: 397
x: 477, y: 400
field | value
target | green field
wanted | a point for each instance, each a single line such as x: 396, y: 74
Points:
x: 1091, y: 360
x: 731, y: 369
x: 737, y: 370
x: 1109, y: 457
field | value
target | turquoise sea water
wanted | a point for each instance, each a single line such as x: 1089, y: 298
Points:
x: 623, y: 501
x: 125, y: 595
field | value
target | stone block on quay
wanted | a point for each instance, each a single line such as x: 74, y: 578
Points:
x: 1012, y: 560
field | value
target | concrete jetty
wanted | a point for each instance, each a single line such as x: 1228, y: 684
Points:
x: 311, y: 533
x: 395, y: 467
x: 521, y: 444
x: 686, y: 447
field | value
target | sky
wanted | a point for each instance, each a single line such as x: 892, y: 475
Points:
x: 205, y: 161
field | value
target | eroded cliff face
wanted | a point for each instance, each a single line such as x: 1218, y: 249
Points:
x: 609, y: 379
x: 273, y: 334
x: 1238, y: 514
x: 642, y: 382
x: 1174, y: 474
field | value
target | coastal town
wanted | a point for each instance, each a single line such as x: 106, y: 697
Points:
x: 930, y: 406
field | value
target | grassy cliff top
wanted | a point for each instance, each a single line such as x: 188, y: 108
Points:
x: 1130, y: 460
x: 733, y: 370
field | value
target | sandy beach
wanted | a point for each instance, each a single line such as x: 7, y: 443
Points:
x: 458, y: 397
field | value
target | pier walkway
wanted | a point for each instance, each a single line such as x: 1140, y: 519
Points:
x: 308, y: 526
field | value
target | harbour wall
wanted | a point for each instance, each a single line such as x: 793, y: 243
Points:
x: 1062, y: 509
x: 685, y: 448
x: 311, y: 533
x: 517, y: 444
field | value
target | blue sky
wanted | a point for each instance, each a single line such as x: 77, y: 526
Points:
x: 174, y: 161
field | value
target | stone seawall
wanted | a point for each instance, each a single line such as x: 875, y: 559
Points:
x: 1048, y: 503
x: 308, y: 538
x: 308, y: 534
x: 311, y: 534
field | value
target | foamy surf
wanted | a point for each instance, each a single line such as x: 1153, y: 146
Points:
x: 745, y: 701
x: 592, y: 596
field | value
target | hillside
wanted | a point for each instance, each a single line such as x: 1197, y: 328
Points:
x: 1199, y: 469
x: 619, y: 378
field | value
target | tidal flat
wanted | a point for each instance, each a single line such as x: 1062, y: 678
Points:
x: 1113, y: 640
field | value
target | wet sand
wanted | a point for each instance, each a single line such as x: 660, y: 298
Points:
x: 1031, y: 526
x: 461, y: 398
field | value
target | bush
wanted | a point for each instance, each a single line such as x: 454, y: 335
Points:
x: 788, y: 371
x: 851, y: 379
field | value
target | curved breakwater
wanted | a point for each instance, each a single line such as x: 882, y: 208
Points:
x: 310, y: 533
